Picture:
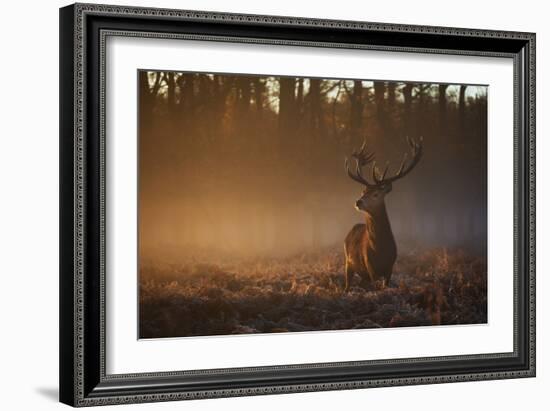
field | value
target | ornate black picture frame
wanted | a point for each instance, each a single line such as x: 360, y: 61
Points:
x: 83, y: 30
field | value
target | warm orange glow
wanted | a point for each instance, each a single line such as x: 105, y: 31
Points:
x: 239, y: 168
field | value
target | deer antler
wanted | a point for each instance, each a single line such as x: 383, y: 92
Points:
x: 404, y: 169
x: 362, y: 158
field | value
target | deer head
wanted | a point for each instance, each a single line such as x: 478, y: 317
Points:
x: 372, y: 197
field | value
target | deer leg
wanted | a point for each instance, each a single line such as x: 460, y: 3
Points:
x: 348, y: 274
x: 387, y: 277
x: 365, y: 281
x: 367, y: 277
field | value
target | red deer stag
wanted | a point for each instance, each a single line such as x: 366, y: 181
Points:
x: 370, y: 248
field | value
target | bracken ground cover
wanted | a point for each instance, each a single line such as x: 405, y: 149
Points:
x: 304, y: 293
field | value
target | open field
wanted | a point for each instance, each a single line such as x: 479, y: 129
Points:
x: 304, y: 293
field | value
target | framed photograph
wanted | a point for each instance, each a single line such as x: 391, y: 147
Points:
x: 260, y: 204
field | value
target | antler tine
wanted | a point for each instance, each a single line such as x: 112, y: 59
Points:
x: 359, y: 173
x: 350, y: 174
x: 356, y: 177
x: 363, y: 146
x: 346, y: 165
x: 362, y: 155
x: 402, y: 164
x: 362, y: 158
x: 404, y: 169
x: 377, y: 176
x: 369, y: 158
x: 419, y: 144
x: 374, y: 176
x: 385, y: 170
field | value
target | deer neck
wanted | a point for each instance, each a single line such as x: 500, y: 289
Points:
x: 378, y: 226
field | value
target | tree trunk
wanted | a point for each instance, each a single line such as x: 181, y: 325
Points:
x: 300, y: 96
x: 259, y: 90
x: 316, y: 114
x: 144, y: 89
x: 356, y: 112
x: 379, y: 91
x: 390, y: 107
x: 146, y: 101
x: 218, y: 104
x: 171, y: 92
x: 391, y: 95
x: 462, y: 110
x: 244, y: 94
x: 286, y: 114
x: 442, y: 102
x: 407, y: 96
x: 187, y: 91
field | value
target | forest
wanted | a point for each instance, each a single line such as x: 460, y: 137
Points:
x: 244, y: 202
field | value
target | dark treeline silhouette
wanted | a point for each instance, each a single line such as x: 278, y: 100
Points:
x: 255, y: 164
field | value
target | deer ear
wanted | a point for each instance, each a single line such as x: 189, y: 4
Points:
x: 387, y: 188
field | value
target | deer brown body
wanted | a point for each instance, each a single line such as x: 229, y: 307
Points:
x: 370, y: 248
